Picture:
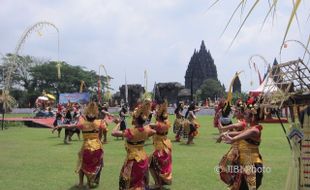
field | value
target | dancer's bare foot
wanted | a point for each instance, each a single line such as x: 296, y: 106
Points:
x: 155, y: 187
x: 80, y: 186
x: 190, y: 142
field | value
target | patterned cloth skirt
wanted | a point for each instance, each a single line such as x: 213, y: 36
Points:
x: 239, y: 177
x: 161, y: 166
x: 190, y: 128
x: 134, y: 175
x: 178, y: 125
x: 91, y: 165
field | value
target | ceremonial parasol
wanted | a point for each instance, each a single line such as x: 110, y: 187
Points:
x: 42, y: 98
x: 50, y: 96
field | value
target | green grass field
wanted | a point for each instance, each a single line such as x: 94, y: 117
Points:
x: 34, y: 158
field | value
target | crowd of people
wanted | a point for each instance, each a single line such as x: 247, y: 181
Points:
x: 244, y: 137
x: 65, y: 115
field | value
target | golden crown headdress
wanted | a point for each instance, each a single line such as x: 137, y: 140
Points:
x: 143, y: 110
x: 91, y: 110
x: 162, y: 111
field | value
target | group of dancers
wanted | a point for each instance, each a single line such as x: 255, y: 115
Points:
x: 240, y: 168
x: 186, y: 126
x: 137, y: 166
x: 67, y: 114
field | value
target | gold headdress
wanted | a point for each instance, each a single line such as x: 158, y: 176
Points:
x: 162, y: 111
x: 91, y: 110
x: 143, y: 110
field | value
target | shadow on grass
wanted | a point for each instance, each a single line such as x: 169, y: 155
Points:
x: 175, y: 141
x: 117, y: 138
x: 185, y: 144
x: 62, y: 143
x: 76, y: 187
x: 53, y: 137
x: 163, y: 188
x: 75, y: 140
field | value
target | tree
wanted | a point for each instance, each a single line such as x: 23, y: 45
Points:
x: 7, y: 102
x: 21, y: 87
x: 44, y: 77
x: 33, y: 75
x: 210, y: 88
x: 237, y: 95
x: 21, y: 77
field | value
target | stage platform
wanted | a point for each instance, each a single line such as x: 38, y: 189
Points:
x: 46, y: 122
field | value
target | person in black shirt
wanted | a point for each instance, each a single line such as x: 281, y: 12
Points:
x: 123, y: 114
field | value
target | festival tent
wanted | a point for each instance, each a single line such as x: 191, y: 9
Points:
x: 267, y: 86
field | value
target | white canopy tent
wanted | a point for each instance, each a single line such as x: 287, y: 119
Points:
x: 267, y: 86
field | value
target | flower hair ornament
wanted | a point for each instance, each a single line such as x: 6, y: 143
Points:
x: 251, y: 104
x: 240, y: 105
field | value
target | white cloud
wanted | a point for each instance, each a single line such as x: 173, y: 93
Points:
x: 159, y: 36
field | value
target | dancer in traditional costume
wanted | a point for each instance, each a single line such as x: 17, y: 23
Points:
x: 152, y: 112
x: 57, y: 122
x: 91, y: 154
x: 104, y: 116
x: 67, y: 121
x: 231, y: 159
x: 250, y: 171
x: 134, y: 173
x: 178, y: 122
x: 75, y: 113
x: 90, y: 160
x: 191, y: 125
x: 223, y: 109
x: 222, y: 112
x: 239, y: 109
x: 161, y: 159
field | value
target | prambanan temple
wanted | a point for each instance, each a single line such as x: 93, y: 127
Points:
x: 200, y: 68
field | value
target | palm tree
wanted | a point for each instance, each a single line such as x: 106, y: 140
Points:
x: 7, y: 102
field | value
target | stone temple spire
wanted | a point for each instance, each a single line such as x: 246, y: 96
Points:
x: 200, y: 68
x: 275, y: 61
x: 202, y: 46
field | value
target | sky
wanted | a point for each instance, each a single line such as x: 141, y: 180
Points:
x: 158, y: 36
